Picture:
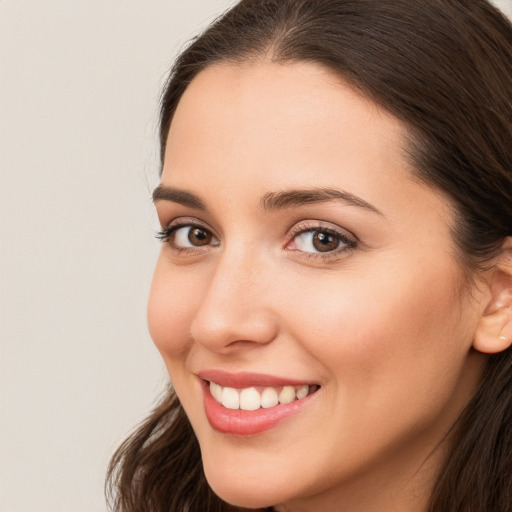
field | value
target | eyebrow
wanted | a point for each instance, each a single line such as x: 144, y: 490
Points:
x: 176, y: 195
x: 271, y: 200
x: 289, y: 198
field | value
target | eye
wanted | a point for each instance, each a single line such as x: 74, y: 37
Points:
x: 187, y: 236
x: 317, y: 241
x: 192, y: 236
x: 320, y: 240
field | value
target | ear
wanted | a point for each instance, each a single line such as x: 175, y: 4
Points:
x: 494, y: 329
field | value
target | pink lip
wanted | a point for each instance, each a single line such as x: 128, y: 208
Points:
x: 247, y: 380
x: 247, y: 423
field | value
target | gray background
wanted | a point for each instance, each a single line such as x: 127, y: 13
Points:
x: 79, y: 82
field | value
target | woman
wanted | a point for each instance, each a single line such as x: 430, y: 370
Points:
x: 333, y: 299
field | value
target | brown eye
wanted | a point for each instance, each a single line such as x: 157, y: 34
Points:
x: 199, y: 236
x: 325, y: 242
x: 321, y: 241
x: 183, y: 237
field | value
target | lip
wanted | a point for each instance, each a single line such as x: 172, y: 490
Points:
x: 247, y: 380
x: 238, y: 422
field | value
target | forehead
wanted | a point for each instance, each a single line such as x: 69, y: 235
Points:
x: 300, y: 96
x: 244, y: 130
x: 299, y: 109
x: 269, y: 125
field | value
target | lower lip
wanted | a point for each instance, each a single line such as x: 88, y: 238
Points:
x: 248, y: 423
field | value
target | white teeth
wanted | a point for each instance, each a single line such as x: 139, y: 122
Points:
x: 216, y: 391
x: 302, y: 392
x: 287, y: 395
x: 269, y: 398
x: 250, y: 399
x: 230, y: 398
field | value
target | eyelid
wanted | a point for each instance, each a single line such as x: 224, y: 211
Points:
x: 318, y: 225
x: 179, y: 222
x: 182, y: 222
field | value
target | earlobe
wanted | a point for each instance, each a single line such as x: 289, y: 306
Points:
x: 493, y: 333
x: 494, y: 329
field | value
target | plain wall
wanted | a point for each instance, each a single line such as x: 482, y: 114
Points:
x: 79, y: 86
x: 79, y: 83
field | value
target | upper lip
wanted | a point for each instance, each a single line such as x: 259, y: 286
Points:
x: 245, y: 380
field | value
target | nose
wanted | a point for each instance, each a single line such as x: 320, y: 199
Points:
x: 236, y: 311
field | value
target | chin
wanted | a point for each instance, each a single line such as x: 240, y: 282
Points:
x: 243, y: 497
x: 244, y: 492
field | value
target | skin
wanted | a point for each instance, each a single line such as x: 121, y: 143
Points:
x: 385, y: 327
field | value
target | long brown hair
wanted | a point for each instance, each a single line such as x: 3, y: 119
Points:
x: 443, y: 67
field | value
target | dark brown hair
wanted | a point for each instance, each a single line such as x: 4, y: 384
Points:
x: 444, y: 68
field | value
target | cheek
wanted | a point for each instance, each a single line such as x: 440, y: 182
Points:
x: 169, y: 309
x: 392, y: 352
x: 382, y: 329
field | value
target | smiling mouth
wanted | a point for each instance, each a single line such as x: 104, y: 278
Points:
x: 259, y: 397
x: 248, y: 404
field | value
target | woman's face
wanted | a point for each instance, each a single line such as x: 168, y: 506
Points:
x: 302, y: 257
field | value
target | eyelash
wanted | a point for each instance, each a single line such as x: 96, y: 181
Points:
x: 166, y: 235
